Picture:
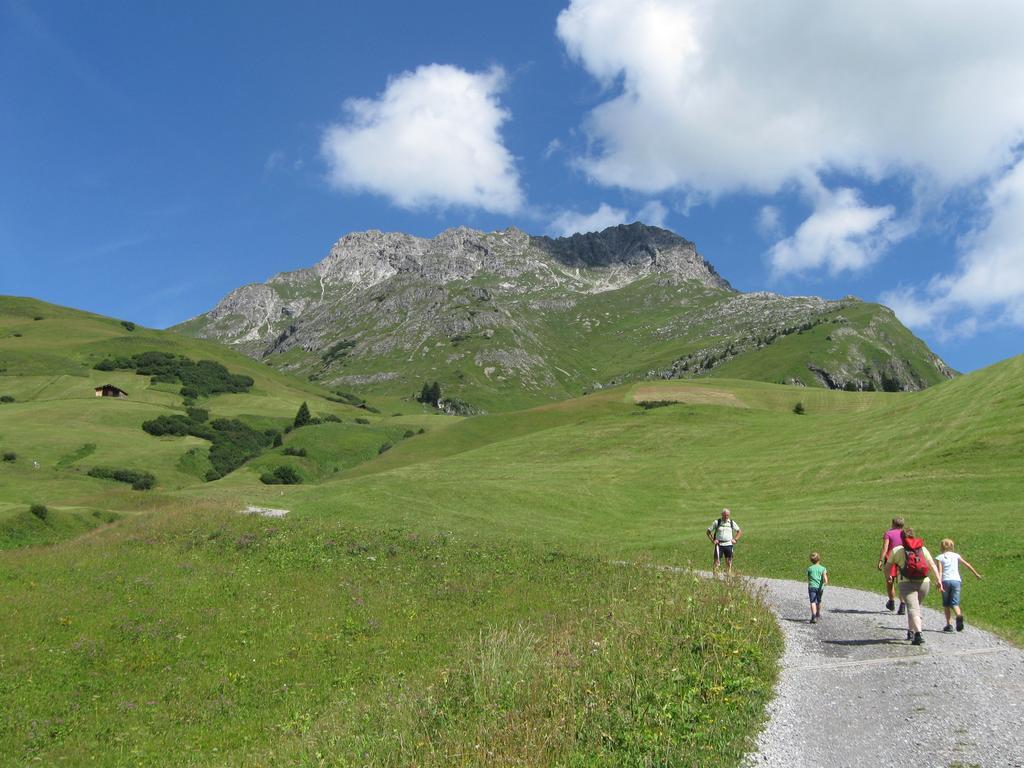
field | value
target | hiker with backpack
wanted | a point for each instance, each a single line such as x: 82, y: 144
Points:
x: 890, y: 540
x: 724, y: 533
x: 915, y: 563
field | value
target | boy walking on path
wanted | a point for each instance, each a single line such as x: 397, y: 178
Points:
x: 724, y: 533
x: 817, y: 578
x: 915, y: 563
x: 890, y: 540
x: 949, y: 575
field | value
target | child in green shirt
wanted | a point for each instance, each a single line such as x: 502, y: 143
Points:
x: 817, y: 578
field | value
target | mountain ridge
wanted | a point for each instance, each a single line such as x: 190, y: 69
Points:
x: 489, y: 312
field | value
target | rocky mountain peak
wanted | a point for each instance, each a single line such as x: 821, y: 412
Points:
x: 368, y: 258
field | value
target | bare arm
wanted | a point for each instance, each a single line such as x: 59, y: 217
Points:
x: 885, y: 552
x: 824, y: 577
x: 935, y: 570
x: 971, y: 567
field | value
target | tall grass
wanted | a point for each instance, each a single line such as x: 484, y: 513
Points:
x: 204, y: 639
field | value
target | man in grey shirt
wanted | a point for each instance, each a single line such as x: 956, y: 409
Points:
x: 724, y: 533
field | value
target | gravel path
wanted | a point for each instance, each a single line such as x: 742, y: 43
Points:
x: 853, y: 692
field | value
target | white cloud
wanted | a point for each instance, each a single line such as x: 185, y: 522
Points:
x: 843, y: 234
x: 553, y: 148
x: 570, y: 222
x: 718, y: 97
x: 653, y: 213
x: 987, y: 288
x: 769, y: 222
x: 431, y: 139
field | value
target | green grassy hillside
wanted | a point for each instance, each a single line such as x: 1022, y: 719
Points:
x: 58, y: 429
x: 604, y: 475
x: 454, y: 589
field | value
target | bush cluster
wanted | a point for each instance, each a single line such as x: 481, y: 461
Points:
x: 348, y: 398
x: 40, y: 511
x: 430, y: 394
x: 6, y: 398
x: 139, y: 481
x: 202, y: 378
x: 294, y: 451
x: 128, y: 325
x: 649, y: 404
x: 10, y: 456
x: 232, y: 442
x: 281, y: 476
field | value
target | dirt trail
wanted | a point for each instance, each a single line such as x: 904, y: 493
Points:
x: 853, y: 692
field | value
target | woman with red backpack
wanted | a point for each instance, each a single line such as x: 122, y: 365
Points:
x: 915, y: 563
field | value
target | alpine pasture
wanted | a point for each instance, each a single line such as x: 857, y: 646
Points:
x: 450, y: 599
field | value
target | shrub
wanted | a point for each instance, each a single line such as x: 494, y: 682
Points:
x: 421, y: 431
x: 347, y: 397
x: 430, y: 394
x: 198, y: 414
x: 302, y: 416
x: 10, y: 456
x: 330, y: 417
x: 202, y: 378
x: 361, y: 420
x: 38, y: 317
x: 384, y: 448
x: 649, y: 404
x: 798, y: 409
x: 6, y: 398
x: 281, y: 476
x: 294, y: 451
x: 409, y: 433
x: 128, y: 324
x: 140, y: 481
x: 278, y: 440
x: 232, y: 442
x: 169, y: 425
x: 40, y: 511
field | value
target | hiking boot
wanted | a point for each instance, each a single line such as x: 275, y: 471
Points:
x: 959, y: 623
x: 901, y: 610
x: 948, y: 628
x: 890, y: 605
x: 813, y: 620
x: 918, y: 640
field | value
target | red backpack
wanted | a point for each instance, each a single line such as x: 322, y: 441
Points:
x: 916, y: 566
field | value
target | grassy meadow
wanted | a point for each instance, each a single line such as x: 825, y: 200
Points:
x: 449, y: 599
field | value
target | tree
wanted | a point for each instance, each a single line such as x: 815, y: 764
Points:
x: 430, y: 393
x: 303, y: 417
x: 798, y: 409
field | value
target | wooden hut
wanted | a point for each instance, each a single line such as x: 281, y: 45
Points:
x: 109, y: 390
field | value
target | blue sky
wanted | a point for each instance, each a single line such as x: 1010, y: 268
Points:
x: 154, y: 156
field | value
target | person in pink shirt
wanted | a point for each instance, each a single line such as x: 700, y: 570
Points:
x: 890, y: 540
